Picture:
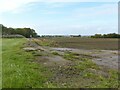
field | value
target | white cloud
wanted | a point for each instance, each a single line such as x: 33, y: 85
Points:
x: 11, y: 5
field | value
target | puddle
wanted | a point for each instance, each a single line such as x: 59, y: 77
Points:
x: 62, y: 49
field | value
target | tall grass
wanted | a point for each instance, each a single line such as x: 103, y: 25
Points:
x: 19, y: 69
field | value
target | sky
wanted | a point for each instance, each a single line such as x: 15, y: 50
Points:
x: 60, y: 17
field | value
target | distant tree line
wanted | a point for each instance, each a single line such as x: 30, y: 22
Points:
x: 75, y: 35
x: 26, y: 32
x: 111, y: 35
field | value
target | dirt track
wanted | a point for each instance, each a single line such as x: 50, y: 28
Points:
x: 107, y: 58
x: 63, y: 69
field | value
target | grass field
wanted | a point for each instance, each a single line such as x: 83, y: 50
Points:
x: 19, y: 70
x: 83, y: 43
x: 23, y: 69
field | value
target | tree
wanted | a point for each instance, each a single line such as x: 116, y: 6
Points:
x: 110, y: 35
x: 21, y: 31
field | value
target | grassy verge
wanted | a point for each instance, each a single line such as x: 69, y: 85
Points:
x: 19, y: 70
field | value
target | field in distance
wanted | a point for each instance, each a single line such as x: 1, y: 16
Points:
x: 82, y: 43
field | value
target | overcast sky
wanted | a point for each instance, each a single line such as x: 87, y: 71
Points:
x: 85, y: 17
